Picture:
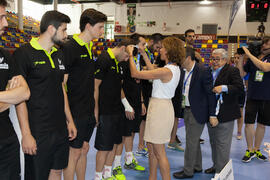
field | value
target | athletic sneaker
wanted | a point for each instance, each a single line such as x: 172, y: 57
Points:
x: 109, y: 178
x: 260, y: 156
x: 178, y: 141
x: 142, y: 152
x: 201, y: 141
x: 134, y: 165
x: 248, y: 156
x: 239, y: 136
x: 175, y: 146
x: 118, y: 174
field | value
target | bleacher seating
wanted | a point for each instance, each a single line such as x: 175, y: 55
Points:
x: 103, y: 44
x: 13, y: 37
x: 205, y: 48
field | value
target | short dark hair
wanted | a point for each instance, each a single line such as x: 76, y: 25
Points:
x: 182, y: 37
x: 156, y: 37
x: 189, y: 31
x: 265, y: 40
x: 54, y: 18
x: 190, y: 52
x: 3, y: 3
x: 125, y: 42
x: 136, y: 37
x: 92, y: 17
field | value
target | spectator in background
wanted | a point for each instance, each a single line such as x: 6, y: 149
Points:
x: 190, y: 40
x: 241, y: 101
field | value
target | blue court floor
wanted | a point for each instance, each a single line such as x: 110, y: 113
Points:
x: 254, y: 170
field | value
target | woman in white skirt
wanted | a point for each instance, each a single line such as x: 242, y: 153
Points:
x: 160, y: 114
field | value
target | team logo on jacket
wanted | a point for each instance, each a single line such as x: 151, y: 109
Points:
x: 39, y: 62
x: 61, y: 66
x: 2, y: 64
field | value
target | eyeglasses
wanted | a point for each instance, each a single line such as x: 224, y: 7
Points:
x: 190, y: 36
x: 215, y: 59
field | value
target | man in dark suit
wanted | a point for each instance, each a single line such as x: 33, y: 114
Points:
x: 199, y: 103
x: 228, y: 85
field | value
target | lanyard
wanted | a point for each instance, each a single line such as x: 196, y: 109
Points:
x: 137, y: 62
x: 218, y: 96
x: 138, y: 58
x: 150, y: 55
x: 185, y: 81
x: 215, y: 75
x: 219, y: 102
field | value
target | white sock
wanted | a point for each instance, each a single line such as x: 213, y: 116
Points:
x: 129, y: 157
x: 117, y: 161
x: 107, y: 172
x: 98, y: 175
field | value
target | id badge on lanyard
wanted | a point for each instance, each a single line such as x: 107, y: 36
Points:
x: 259, y: 76
x: 183, y: 104
x: 137, y: 62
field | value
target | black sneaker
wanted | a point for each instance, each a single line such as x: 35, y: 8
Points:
x: 178, y: 141
x: 201, y: 141
x: 260, y: 156
x: 248, y: 156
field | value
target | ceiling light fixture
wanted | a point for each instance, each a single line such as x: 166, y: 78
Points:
x: 205, y: 2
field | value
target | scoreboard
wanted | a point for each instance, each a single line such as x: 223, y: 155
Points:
x: 257, y: 10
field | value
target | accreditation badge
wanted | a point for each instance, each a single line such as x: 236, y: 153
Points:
x: 259, y: 76
x: 183, y: 104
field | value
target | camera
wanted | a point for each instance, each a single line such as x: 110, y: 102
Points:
x: 135, y: 50
x: 254, y: 47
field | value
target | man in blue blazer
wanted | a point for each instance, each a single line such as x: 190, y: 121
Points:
x: 199, y: 104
